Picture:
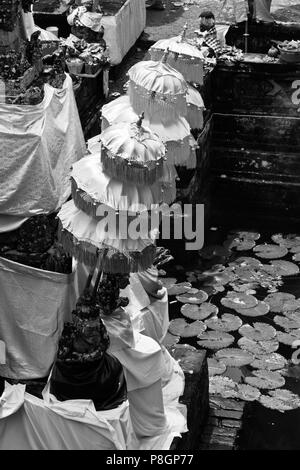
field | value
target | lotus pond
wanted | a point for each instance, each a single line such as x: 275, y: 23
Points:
x: 239, y: 299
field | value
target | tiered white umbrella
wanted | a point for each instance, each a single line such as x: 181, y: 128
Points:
x: 195, y: 106
x: 157, y: 87
x: 184, y: 57
x: 84, y: 230
x: 174, y: 133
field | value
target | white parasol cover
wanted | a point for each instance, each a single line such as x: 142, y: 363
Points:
x: 196, y: 107
x: 175, y: 133
x: 91, y: 188
x: 131, y: 152
x: 184, y: 57
x: 157, y: 87
x: 87, y: 239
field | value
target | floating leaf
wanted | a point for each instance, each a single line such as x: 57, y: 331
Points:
x: 288, y: 338
x: 271, y: 361
x: 177, y: 326
x: 295, y: 249
x: 168, y: 281
x: 178, y: 350
x: 193, y: 329
x: 258, y: 332
x: 248, y: 393
x: 212, y: 251
x: 215, y: 340
x: 215, y: 269
x: 198, y: 298
x: 239, y: 244
x: 226, y: 322
x: 274, y: 403
x: 286, y: 323
x: 246, y: 261
x: 234, y: 357
x: 277, y: 300
x: 188, y: 358
x: 180, y: 288
x: 289, y: 241
x: 215, y: 367
x: 290, y: 306
x: 258, y: 347
x: 234, y: 299
x: 281, y: 400
x: 224, y: 386
x: 265, y: 379
x: 285, y: 268
x: 170, y: 340
x: 292, y: 315
x: 199, y: 312
x: 246, y: 235
x: 245, y: 288
x: 262, y: 308
x: 270, y: 251
x: 296, y: 257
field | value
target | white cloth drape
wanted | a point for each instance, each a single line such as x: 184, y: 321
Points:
x: 122, y: 30
x: 262, y: 11
x: 38, y: 146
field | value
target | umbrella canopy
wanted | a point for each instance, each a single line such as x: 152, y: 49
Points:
x: 175, y: 133
x: 131, y: 152
x: 157, y: 87
x: 184, y: 57
x: 91, y: 187
x: 87, y: 239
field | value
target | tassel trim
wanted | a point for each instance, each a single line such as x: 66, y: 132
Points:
x: 124, y: 170
x: 192, y: 70
x: 110, y: 260
x: 151, y: 102
x: 195, y: 117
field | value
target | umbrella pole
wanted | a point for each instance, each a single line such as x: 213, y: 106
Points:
x: 246, y: 35
x: 97, y: 282
x: 90, y: 277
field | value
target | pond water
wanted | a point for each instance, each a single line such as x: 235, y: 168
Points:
x: 262, y: 428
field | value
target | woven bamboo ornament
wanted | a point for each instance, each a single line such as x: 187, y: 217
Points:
x: 87, y: 240
x: 131, y: 152
x: 175, y: 133
x: 157, y: 87
x: 184, y: 57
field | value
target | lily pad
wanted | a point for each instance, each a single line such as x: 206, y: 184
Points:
x: 215, y: 269
x: 262, y: 308
x: 199, y: 312
x: 240, y: 300
x: 193, y: 329
x: 258, y: 348
x: 178, y: 350
x: 177, y: 326
x: 168, y: 281
x: 188, y: 358
x: 224, y: 386
x: 292, y: 314
x: 296, y: 257
x: 274, y: 403
x: 197, y: 298
x: 245, y: 234
x: 245, y: 288
x: 246, y: 261
x: 234, y: 357
x: 180, y: 288
x: 258, y: 332
x: 211, y: 251
x: 285, y: 268
x: 295, y: 249
x: 248, y: 393
x: 269, y: 251
x: 276, y: 300
x: 170, y: 340
x: 271, y: 361
x: 215, y: 340
x: 281, y: 400
x: 291, y: 306
x: 265, y: 379
x: 215, y: 367
x: 286, y: 323
x: 289, y: 241
x: 239, y: 244
x: 227, y: 322
x: 288, y: 338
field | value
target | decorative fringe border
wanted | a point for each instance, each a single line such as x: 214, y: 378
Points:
x: 125, y: 170
x: 195, y: 117
x: 192, y: 70
x: 168, y: 106
x: 111, y: 260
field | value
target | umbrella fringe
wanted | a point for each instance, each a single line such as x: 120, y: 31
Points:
x: 169, y: 106
x: 192, y: 70
x: 122, y: 169
x: 195, y: 117
x: 110, y: 259
x: 191, y: 162
x: 179, y: 152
